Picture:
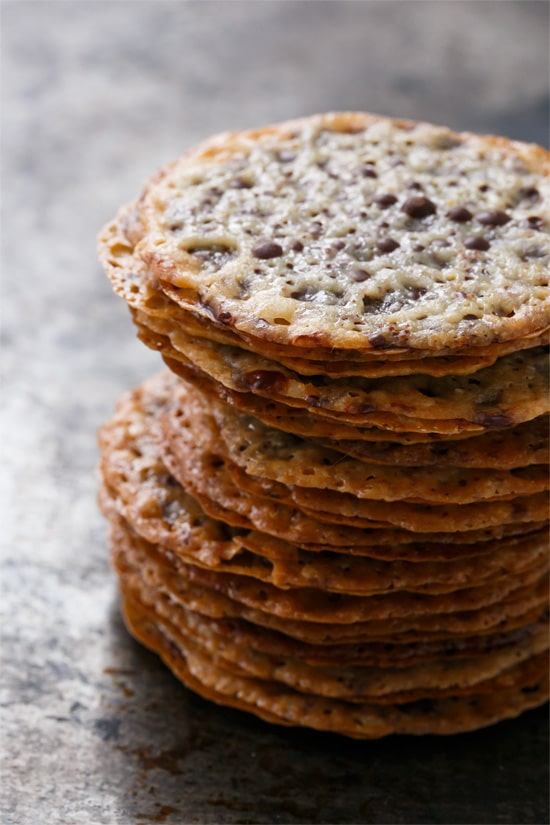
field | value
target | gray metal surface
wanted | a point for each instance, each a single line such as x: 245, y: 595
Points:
x: 95, y: 97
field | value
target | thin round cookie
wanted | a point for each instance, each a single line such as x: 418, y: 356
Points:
x: 352, y: 230
x: 507, y: 696
x: 401, y: 621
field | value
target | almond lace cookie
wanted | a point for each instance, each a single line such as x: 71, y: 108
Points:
x: 162, y: 512
x: 351, y: 682
x: 162, y: 310
x: 518, y: 689
x: 356, y: 231
x: 332, y: 510
x: 299, y: 615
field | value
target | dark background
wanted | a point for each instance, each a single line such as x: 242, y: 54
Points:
x: 95, y: 96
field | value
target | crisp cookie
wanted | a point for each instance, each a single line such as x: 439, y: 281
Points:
x: 334, y: 511
x: 194, y: 455
x: 285, y: 234
x: 354, y: 683
x: 266, y: 452
x: 493, y: 397
x: 242, y: 634
x: 505, y: 696
x: 397, y: 619
x: 132, y: 280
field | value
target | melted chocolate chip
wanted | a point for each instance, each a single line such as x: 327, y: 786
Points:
x: 447, y: 142
x: 313, y: 400
x: 306, y: 293
x: 316, y: 229
x: 359, y: 275
x: 213, y: 257
x: 363, y: 408
x: 459, y: 214
x: 534, y: 222
x: 373, y: 305
x: 384, y: 200
x: 495, y: 217
x: 419, y: 207
x: 266, y: 250
x: 240, y: 183
x: 387, y: 245
x: 415, y: 292
x: 338, y: 245
x: 378, y: 341
x: 224, y: 317
x: 493, y: 420
x: 264, y: 380
x: 530, y: 193
x: 477, y: 242
x: 297, y: 246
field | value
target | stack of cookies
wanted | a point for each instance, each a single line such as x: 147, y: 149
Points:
x: 332, y: 510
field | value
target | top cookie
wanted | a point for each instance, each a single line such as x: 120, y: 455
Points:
x: 356, y: 231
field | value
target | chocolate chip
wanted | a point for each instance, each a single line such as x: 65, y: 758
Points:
x: 337, y: 245
x: 297, y: 246
x: 264, y: 380
x: 417, y: 247
x: 493, y: 218
x: 419, y: 207
x: 266, y: 250
x: 363, y: 408
x: 359, y: 275
x: 306, y: 293
x: 316, y: 229
x: 477, y: 242
x: 459, y: 214
x: 415, y: 292
x: 213, y: 257
x: 447, y: 142
x: 384, y: 200
x: 493, y: 420
x: 387, y: 245
x: 240, y: 183
x: 378, y: 341
x: 415, y: 185
x: 534, y: 222
x: 530, y: 193
x: 369, y: 173
x: 313, y: 400
x: 372, y: 305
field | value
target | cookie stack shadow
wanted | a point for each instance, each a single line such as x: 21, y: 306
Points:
x: 353, y: 540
